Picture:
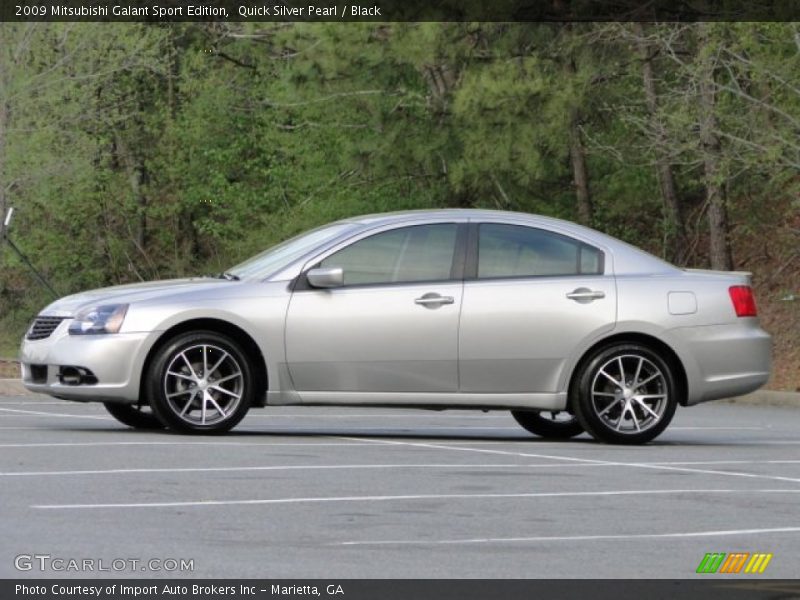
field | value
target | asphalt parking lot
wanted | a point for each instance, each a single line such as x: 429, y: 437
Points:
x: 350, y: 493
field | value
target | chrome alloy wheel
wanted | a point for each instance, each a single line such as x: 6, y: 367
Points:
x: 629, y: 393
x: 203, y: 384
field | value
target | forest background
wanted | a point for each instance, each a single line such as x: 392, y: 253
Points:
x: 138, y: 151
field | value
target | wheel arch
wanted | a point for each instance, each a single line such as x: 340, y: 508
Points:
x: 650, y: 341
x: 223, y: 327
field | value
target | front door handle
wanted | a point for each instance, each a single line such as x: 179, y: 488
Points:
x: 433, y: 300
x: 583, y: 295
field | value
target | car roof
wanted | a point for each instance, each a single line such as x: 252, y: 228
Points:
x: 476, y: 214
x: 402, y: 215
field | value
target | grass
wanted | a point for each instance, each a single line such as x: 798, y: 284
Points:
x: 11, y: 333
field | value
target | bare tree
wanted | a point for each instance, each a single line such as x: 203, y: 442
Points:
x: 577, y: 155
x: 6, y: 56
x: 719, y: 246
x: 3, y: 184
x: 666, y: 178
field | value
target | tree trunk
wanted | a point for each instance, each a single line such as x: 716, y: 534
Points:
x: 580, y: 173
x: 3, y: 184
x: 666, y: 180
x: 719, y: 246
x: 441, y: 79
x: 137, y: 179
x: 4, y: 110
x: 577, y: 157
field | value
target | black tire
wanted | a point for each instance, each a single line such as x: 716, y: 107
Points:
x: 134, y: 415
x: 540, y: 425
x: 635, y: 412
x: 188, y: 401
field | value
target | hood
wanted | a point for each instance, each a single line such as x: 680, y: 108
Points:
x: 69, y: 305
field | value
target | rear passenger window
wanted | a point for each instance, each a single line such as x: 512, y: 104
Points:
x: 519, y: 251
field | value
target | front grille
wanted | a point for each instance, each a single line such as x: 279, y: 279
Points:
x: 42, y: 327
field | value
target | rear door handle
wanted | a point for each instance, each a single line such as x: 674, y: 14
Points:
x: 433, y: 300
x: 583, y: 294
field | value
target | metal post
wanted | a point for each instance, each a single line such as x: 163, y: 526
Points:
x: 23, y: 258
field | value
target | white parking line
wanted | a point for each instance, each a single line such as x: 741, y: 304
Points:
x: 28, y: 428
x: 186, y: 443
x: 44, y: 403
x: 724, y: 462
x: 267, y: 415
x: 550, y: 465
x: 267, y: 468
x: 709, y: 428
x: 375, y: 415
x: 393, y: 429
x: 409, y: 497
x: 41, y: 416
x: 384, y: 429
x: 575, y: 538
x: 51, y: 414
x: 777, y: 442
x: 22, y: 413
x: 581, y: 460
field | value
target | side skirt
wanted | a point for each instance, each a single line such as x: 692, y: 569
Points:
x: 441, y: 401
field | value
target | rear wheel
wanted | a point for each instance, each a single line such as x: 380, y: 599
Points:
x: 134, y: 415
x: 549, y: 424
x: 201, y: 382
x: 625, y: 394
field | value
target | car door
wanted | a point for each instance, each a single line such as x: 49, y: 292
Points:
x: 392, y: 326
x: 531, y: 297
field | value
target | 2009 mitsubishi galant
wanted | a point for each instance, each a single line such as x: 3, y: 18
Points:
x: 569, y: 329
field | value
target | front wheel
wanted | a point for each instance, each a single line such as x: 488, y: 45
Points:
x: 201, y: 382
x: 134, y: 415
x: 625, y: 394
x: 559, y: 425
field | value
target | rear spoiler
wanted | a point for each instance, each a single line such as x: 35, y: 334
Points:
x: 747, y: 275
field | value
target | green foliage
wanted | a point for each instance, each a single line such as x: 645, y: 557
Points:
x: 137, y: 151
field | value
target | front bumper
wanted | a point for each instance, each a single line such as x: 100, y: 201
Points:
x: 115, y: 360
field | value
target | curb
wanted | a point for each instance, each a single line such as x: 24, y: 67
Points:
x: 14, y: 387
x: 767, y: 398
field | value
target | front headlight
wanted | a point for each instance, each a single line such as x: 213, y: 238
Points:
x: 98, y: 319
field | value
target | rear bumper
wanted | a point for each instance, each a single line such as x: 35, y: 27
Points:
x: 723, y: 361
x: 115, y: 360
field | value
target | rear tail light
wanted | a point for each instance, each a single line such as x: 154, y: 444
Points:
x: 744, y: 303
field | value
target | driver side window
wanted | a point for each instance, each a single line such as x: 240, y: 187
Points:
x: 403, y: 255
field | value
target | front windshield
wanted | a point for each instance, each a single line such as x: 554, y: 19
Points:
x: 278, y: 257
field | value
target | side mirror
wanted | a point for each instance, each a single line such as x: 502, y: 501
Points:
x: 329, y: 277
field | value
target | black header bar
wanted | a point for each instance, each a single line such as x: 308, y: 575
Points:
x: 164, y: 11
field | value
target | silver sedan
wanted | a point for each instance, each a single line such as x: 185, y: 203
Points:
x: 569, y: 329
